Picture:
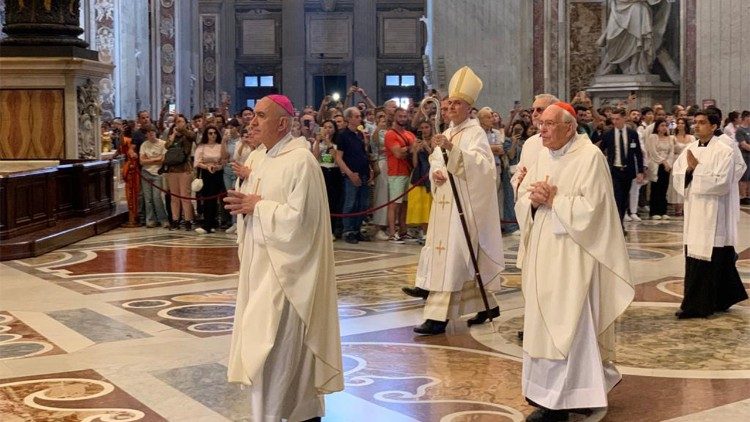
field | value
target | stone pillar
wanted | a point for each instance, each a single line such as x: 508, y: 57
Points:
x: 365, y: 46
x: 165, y: 52
x: 104, y: 18
x: 688, y: 56
x: 293, y: 51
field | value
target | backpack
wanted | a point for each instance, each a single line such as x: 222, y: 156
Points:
x: 175, y: 155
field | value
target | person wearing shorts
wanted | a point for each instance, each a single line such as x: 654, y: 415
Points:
x: 398, y: 142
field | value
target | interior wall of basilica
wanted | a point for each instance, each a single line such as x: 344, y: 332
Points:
x: 493, y: 37
x: 191, y: 52
x: 722, y: 58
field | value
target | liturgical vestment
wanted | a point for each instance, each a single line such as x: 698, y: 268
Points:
x: 285, y: 342
x: 444, y: 262
x: 712, y: 213
x: 253, y: 160
x: 575, y: 279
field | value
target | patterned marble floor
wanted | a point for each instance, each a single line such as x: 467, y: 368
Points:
x: 134, y: 325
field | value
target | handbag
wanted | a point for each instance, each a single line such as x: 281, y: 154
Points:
x: 197, y: 184
x: 175, y: 155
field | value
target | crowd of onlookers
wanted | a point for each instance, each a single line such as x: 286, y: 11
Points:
x: 378, y: 157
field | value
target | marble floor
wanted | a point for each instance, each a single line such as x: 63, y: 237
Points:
x: 134, y: 325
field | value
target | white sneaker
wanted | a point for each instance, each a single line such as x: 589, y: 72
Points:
x: 656, y: 217
x: 381, y: 235
x: 627, y: 218
x: 635, y: 217
x: 200, y: 230
x: 395, y: 238
x: 232, y: 229
x: 665, y: 217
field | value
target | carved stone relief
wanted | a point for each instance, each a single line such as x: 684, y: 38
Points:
x: 104, y: 16
x: 167, y: 51
x: 89, y: 111
x: 209, y: 55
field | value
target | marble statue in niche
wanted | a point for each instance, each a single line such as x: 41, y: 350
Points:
x: 88, y: 116
x: 634, y: 33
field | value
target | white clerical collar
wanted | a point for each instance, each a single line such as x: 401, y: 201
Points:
x: 276, y: 149
x: 560, y: 152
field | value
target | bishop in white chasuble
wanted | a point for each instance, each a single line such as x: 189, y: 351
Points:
x: 285, y: 344
x: 445, y: 267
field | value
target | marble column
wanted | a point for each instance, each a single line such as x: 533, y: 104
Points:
x: 227, y: 51
x: 293, y: 51
x: 365, y: 46
x: 688, y: 44
x: 104, y: 22
x: 166, y: 51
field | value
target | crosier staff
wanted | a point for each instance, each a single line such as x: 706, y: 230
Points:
x: 465, y: 227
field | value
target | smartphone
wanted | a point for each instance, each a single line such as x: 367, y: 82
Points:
x: 356, y: 84
x: 306, y: 122
x: 172, y: 108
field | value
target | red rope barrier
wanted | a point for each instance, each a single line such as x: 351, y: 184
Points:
x: 191, y: 198
x: 372, y: 210
x: 419, y: 183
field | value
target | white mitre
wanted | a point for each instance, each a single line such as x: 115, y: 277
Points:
x: 465, y: 85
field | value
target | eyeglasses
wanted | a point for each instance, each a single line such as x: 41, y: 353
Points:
x: 550, y: 124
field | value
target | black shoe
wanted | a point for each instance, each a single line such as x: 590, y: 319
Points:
x: 361, y: 237
x: 188, y: 226
x: 482, y: 316
x: 547, y: 415
x: 416, y: 292
x: 688, y: 315
x: 174, y: 225
x: 431, y: 327
x: 351, y: 238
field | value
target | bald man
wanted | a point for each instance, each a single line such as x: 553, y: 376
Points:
x: 285, y: 342
x: 575, y: 274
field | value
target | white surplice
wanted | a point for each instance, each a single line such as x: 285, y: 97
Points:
x: 711, y: 198
x: 575, y: 278
x: 444, y: 262
x: 285, y: 342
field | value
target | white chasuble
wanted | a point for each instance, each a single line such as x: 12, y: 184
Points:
x: 244, y: 186
x: 444, y: 262
x: 711, y: 209
x: 563, y: 248
x: 287, y: 257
